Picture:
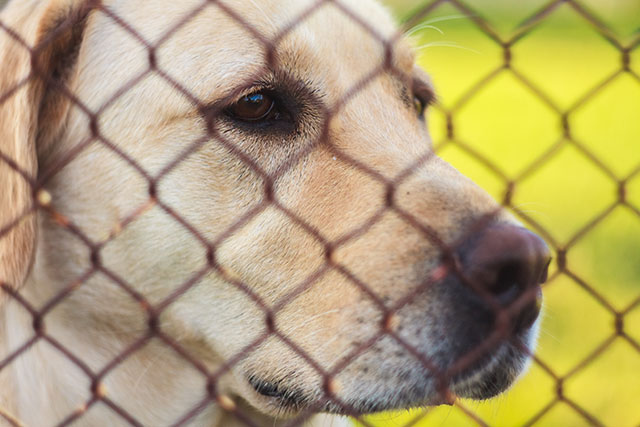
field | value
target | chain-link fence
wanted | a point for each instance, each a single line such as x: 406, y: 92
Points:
x: 591, y: 314
x: 569, y: 67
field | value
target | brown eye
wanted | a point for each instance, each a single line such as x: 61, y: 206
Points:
x: 419, y: 105
x: 254, y: 107
x: 423, y: 95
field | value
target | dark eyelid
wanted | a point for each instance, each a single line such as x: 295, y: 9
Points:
x: 423, y: 91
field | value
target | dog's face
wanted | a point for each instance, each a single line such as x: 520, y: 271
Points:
x: 282, y: 209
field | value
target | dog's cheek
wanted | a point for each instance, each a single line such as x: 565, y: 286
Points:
x: 330, y: 195
x: 270, y: 254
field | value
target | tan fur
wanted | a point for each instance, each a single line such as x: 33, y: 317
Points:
x: 18, y: 115
x: 212, y: 57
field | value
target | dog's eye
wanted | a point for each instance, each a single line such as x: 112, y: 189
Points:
x: 422, y: 96
x: 254, y: 107
x: 419, y: 105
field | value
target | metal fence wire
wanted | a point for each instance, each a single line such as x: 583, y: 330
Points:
x: 43, y: 204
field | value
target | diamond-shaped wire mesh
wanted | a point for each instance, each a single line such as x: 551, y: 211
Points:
x: 512, y: 181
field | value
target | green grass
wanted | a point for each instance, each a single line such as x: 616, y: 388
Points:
x: 510, y: 126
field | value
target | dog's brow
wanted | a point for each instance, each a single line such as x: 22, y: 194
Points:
x: 403, y: 57
x: 423, y: 83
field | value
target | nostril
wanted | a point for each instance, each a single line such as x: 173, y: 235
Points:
x: 507, y: 279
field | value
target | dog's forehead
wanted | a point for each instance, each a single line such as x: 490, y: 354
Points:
x: 212, y: 48
x: 347, y: 37
x: 356, y: 33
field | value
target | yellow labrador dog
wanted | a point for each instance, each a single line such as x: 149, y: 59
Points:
x: 227, y: 212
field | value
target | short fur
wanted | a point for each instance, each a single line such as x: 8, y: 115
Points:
x: 90, y: 50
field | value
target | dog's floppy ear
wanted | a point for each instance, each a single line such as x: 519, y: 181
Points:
x: 39, y: 43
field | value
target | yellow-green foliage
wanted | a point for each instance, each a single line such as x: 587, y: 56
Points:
x: 511, y: 127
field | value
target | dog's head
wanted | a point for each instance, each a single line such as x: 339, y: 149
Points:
x: 260, y: 176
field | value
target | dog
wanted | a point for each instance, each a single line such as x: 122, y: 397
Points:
x: 228, y: 212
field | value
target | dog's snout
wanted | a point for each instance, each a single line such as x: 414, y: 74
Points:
x: 510, y: 263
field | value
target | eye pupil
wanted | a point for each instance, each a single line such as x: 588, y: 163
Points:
x: 253, y: 107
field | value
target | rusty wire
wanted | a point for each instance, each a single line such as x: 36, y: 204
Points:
x: 560, y: 249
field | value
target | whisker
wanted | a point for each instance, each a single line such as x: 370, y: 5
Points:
x: 423, y: 27
x: 547, y: 332
x: 447, y: 44
x: 547, y: 315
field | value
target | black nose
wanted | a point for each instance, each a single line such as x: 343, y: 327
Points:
x: 509, y: 263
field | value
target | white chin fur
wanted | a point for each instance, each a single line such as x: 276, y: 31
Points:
x: 532, y: 341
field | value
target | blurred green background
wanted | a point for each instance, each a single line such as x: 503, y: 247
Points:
x: 575, y: 183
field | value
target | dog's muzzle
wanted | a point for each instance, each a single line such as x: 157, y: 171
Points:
x: 475, y: 327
